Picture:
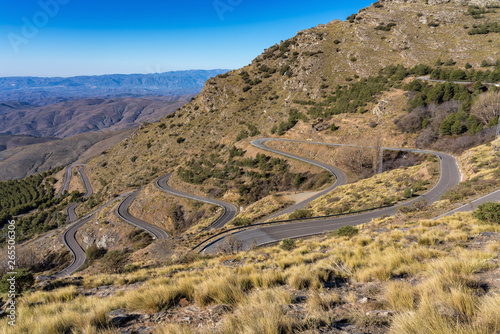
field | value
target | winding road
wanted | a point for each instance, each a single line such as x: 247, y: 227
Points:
x: 230, y: 211
x: 69, y: 235
x: 123, y: 213
x: 450, y: 176
x: 88, y: 189
x: 79, y: 255
x: 340, y: 176
x: 69, y: 239
x: 67, y: 179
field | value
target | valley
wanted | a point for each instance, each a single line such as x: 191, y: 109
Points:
x: 347, y: 180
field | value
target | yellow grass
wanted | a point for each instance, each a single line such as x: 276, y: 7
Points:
x: 258, y: 289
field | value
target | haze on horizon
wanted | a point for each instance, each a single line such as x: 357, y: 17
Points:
x: 73, y: 37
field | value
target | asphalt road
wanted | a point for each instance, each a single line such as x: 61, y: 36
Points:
x: 71, y: 212
x: 67, y: 179
x: 124, y: 214
x: 86, y: 183
x: 340, y: 177
x: 69, y: 235
x: 426, y: 78
x: 450, y: 176
x: 79, y: 255
x: 70, y: 240
x: 88, y: 189
x: 230, y: 210
x: 492, y: 197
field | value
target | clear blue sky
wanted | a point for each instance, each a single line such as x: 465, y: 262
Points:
x: 87, y: 37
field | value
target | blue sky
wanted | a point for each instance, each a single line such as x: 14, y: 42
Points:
x: 88, y: 37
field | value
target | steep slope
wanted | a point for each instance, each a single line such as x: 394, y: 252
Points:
x: 287, y: 77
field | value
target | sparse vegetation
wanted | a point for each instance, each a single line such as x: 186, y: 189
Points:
x: 422, y: 283
x: 385, y: 27
x: 488, y: 212
x: 288, y: 244
x: 485, y: 29
x: 22, y: 279
x: 293, y: 117
x: 347, y: 231
x: 417, y: 275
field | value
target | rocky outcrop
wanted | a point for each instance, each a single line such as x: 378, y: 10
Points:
x: 481, y: 3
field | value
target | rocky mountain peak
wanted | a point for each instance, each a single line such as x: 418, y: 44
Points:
x: 480, y: 3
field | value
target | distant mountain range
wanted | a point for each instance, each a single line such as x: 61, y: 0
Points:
x: 34, y: 139
x: 44, y: 91
x: 90, y: 114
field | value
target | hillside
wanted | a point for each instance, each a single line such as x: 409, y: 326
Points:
x: 403, y: 74
x: 388, y: 276
x: 9, y: 142
x: 304, y: 84
x: 71, y: 118
x: 19, y: 162
x: 43, y: 91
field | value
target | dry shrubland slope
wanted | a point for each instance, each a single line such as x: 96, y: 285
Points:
x: 400, y: 274
x: 296, y: 78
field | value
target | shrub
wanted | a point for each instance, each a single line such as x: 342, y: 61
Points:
x: 293, y: 118
x: 488, y: 212
x: 236, y: 152
x: 93, y: 252
x: 242, y: 135
x: 24, y: 280
x: 242, y: 221
x: 180, y: 140
x: 347, y: 231
x: 298, y: 180
x: 351, y: 19
x: 287, y: 244
x: 485, y: 29
x: 114, y: 261
x: 253, y: 130
x: 450, y: 62
x: 384, y: 27
x: 298, y: 214
x: 333, y: 127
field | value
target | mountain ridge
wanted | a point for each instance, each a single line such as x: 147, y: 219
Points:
x: 69, y: 118
x: 49, y: 90
x: 300, y: 74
